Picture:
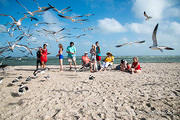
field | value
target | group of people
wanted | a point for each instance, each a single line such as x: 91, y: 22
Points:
x: 94, y: 62
x: 125, y: 66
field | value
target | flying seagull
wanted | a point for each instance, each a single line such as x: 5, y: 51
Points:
x: 40, y: 9
x: 60, y: 11
x: 72, y: 18
x: 43, y: 23
x: 53, y: 32
x: 129, y: 43
x: 155, y: 45
x: 147, y: 17
x: 15, y: 22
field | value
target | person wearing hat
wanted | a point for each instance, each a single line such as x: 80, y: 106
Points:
x: 71, y: 50
x: 108, y: 61
x: 43, y: 57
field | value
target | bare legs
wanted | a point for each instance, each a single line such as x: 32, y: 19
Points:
x: 61, y: 64
x: 43, y: 64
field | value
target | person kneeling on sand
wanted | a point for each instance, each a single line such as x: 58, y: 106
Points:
x: 135, y: 67
x: 107, y: 61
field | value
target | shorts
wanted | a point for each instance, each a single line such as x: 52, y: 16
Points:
x: 61, y: 56
x: 98, y: 58
x: 71, y: 59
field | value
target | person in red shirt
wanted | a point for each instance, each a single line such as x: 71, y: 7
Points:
x: 43, y: 57
x: 135, y: 67
x: 86, y: 62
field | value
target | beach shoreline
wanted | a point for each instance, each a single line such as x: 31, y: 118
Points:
x: 70, y: 95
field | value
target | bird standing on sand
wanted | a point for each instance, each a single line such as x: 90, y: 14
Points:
x: 155, y: 45
x: 129, y: 43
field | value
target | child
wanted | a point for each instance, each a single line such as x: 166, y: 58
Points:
x: 123, y: 65
x: 60, y: 56
x: 128, y: 67
x: 135, y: 68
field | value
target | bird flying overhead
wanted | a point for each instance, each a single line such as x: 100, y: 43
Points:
x: 155, y: 45
x: 130, y: 43
x: 147, y: 17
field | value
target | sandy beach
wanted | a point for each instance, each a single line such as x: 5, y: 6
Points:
x: 153, y: 94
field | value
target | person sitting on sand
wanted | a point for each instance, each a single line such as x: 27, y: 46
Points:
x: 85, y: 60
x: 123, y: 65
x: 128, y: 67
x: 60, y: 56
x: 108, y: 61
x: 135, y: 67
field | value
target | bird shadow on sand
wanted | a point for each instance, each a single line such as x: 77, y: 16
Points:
x: 13, y: 94
x: 20, y: 102
x: 25, y: 69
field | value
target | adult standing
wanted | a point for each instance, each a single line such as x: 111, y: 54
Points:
x: 44, y: 56
x: 71, y: 50
x: 38, y: 54
x: 98, y: 55
x: 93, y: 58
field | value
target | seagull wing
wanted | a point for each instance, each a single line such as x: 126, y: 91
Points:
x: 9, y: 16
x: 145, y: 14
x: 60, y: 30
x: 166, y: 48
x: 121, y: 45
x: 154, y: 36
x: 66, y: 17
x: 140, y: 41
x: 22, y: 5
x: 24, y: 46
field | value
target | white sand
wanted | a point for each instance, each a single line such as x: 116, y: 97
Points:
x: 112, y: 95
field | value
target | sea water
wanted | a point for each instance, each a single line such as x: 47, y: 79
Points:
x: 55, y: 61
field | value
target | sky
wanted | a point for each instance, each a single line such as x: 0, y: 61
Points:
x: 115, y: 22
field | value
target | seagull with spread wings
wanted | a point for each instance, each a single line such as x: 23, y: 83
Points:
x: 155, y: 45
x: 40, y: 9
x: 60, y: 11
x: 130, y: 43
x: 72, y: 18
x: 53, y: 32
x: 15, y: 22
x: 43, y: 23
x: 147, y: 17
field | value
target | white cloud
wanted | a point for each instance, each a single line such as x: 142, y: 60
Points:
x: 49, y: 17
x: 2, y: 28
x: 175, y: 27
x: 140, y: 28
x: 158, y: 9
x: 110, y: 25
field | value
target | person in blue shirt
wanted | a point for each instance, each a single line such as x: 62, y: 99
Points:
x: 71, y: 50
x: 98, y: 55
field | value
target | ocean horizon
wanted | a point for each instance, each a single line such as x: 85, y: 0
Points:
x: 21, y: 61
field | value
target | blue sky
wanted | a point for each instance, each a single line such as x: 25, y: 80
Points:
x: 115, y: 22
